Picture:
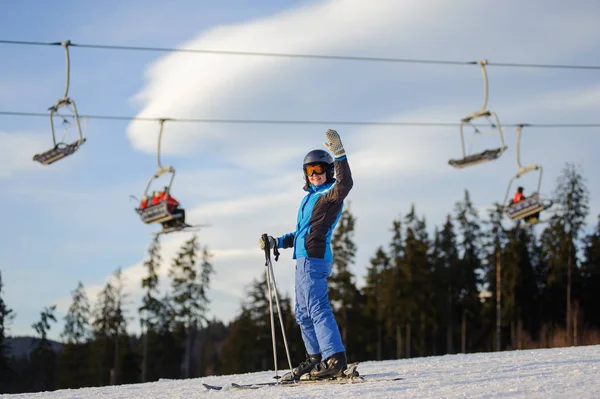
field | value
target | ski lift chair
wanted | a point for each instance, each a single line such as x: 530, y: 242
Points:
x: 532, y: 204
x: 486, y: 155
x: 159, y: 213
x: 481, y: 157
x: 60, y: 149
x: 527, y: 207
x: 171, y: 221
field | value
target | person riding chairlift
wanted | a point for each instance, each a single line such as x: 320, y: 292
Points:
x: 172, y: 203
x: 155, y: 198
x: 519, y: 196
x: 172, y: 207
x: 144, y: 202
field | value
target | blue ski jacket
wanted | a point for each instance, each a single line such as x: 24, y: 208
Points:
x: 318, y: 215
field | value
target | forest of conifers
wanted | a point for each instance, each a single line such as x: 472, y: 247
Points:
x: 424, y: 294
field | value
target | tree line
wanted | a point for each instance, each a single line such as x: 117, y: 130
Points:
x: 471, y: 285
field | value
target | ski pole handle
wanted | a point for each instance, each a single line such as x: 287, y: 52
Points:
x: 265, y: 238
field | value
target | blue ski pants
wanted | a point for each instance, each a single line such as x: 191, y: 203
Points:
x: 314, y: 315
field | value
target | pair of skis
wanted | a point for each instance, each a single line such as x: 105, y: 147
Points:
x: 351, y: 376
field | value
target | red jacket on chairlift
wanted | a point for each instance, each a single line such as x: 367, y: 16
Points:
x: 171, y: 202
x: 518, y: 197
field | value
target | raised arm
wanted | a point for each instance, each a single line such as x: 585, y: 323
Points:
x: 343, y: 175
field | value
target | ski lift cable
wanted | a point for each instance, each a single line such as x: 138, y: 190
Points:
x: 298, y: 122
x: 306, y: 56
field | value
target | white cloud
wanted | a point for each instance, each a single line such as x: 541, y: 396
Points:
x: 184, y: 85
x: 18, y: 151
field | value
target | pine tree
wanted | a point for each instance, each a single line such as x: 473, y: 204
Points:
x: 119, y: 323
x: 495, y: 239
x: 73, y: 362
x: 343, y: 294
x: 42, y: 327
x: 446, y: 271
x: 43, y: 357
x: 110, y: 328
x: 395, y: 299
x: 77, y: 318
x: 573, y: 197
x: 590, y: 272
x: 470, y: 265
x: 553, y: 271
x: 103, y: 313
x: 151, y: 308
x: 519, y: 288
x: 6, y: 317
x: 559, y: 250
x: 189, y: 287
x: 374, y: 306
x: 151, y: 305
x: 417, y: 269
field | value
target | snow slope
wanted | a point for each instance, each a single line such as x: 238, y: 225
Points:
x: 544, y: 373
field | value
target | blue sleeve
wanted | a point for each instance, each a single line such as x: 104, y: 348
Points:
x: 286, y: 240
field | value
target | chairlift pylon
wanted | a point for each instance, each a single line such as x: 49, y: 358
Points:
x: 60, y: 148
x: 533, y: 204
x: 171, y: 217
x: 469, y: 159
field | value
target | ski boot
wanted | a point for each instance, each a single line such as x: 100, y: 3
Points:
x: 303, y: 368
x: 331, y: 368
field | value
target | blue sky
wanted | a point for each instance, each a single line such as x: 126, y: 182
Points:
x: 73, y: 221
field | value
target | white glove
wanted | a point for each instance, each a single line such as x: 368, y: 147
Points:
x: 334, y: 143
x: 273, y: 242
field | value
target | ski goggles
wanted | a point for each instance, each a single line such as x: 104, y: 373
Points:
x: 318, y: 169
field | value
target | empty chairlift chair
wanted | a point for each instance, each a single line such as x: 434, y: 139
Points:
x: 470, y: 159
x: 61, y: 149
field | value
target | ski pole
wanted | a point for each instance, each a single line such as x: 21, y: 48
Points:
x: 267, y: 257
x: 285, y: 344
x: 271, y: 278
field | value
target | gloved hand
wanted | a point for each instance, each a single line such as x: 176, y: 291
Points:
x: 273, y: 242
x: 334, y: 143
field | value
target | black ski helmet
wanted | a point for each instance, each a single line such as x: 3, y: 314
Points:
x: 318, y: 156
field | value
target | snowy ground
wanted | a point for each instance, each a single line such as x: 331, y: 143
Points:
x: 545, y: 373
